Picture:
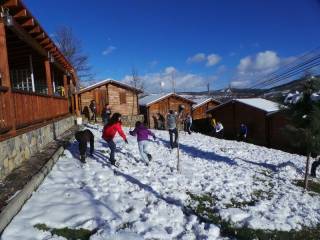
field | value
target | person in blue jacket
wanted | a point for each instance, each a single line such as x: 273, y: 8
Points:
x: 243, y: 132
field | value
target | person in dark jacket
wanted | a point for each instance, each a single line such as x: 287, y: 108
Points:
x: 243, y: 132
x: 83, y: 137
x: 161, y: 121
x: 110, y: 130
x: 188, y: 123
x: 143, y: 134
x: 314, y: 166
x: 93, y: 108
x: 172, y: 127
x: 106, y: 114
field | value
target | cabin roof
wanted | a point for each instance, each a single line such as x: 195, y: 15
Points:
x: 200, y: 100
x: 259, y: 103
x: 153, y: 98
x: 110, y: 81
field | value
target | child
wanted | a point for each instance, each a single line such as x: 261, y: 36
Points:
x: 109, y: 132
x: 83, y: 137
x: 142, y: 136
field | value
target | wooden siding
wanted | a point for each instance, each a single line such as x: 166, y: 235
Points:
x: 111, y: 94
x: 201, y: 111
x: 232, y: 114
x: 163, y: 107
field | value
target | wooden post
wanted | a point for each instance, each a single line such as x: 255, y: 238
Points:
x: 5, y: 75
x: 77, y: 105
x: 65, y: 85
x: 48, y: 76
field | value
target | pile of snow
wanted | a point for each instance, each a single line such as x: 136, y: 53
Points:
x: 293, y: 98
x: 136, y: 201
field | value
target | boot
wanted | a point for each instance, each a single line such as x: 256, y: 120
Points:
x: 149, y: 156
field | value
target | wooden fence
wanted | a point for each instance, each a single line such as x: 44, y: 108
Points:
x: 29, y: 108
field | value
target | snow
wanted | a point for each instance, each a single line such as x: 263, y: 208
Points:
x: 104, y: 82
x: 260, y: 103
x: 152, y: 98
x: 136, y: 201
x: 147, y: 100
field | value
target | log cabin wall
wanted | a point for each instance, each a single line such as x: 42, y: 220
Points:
x: 120, y: 99
x: 201, y: 111
x: 163, y: 107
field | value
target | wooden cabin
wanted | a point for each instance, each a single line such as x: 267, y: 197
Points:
x: 37, y: 85
x: 154, y: 104
x: 199, y: 110
x: 121, y: 97
x: 253, y: 112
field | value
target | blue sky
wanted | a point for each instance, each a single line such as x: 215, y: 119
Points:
x: 194, y: 42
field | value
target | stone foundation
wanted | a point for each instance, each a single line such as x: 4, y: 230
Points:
x: 128, y: 121
x: 18, y: 149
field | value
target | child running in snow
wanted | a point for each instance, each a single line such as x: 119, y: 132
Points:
x: 109, y: 132
x: 142, y: 136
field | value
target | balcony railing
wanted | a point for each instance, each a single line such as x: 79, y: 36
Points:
x: 29, y: 109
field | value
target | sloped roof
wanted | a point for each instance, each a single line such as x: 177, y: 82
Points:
x: 200, y: 102
x: 110, y: 81
x: 153, y: 98
x: 259, y: 103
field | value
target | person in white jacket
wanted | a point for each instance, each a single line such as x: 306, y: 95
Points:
x: 219, y: 130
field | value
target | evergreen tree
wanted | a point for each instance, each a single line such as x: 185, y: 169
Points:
x: 304, y: 122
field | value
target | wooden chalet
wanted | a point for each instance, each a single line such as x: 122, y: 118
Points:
x: 154, y: 104
x: 199, y: 110
x: 121, y: 97
x: 254, y: 112
x: 36, y: 80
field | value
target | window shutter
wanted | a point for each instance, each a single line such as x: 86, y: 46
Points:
x: 123, y: 98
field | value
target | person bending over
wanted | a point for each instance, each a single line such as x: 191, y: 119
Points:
x: 83, y: 137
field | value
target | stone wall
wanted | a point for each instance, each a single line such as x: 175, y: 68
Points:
x: 128, y: 121
x: 20, y: 148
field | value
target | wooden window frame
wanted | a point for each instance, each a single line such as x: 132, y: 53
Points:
x: 123, y: 97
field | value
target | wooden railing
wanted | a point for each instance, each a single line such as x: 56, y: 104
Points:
x: 5, y: 123
x: 28, y: 109
x: 32, y: 108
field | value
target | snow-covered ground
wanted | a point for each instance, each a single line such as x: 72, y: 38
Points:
x: 136, y: 201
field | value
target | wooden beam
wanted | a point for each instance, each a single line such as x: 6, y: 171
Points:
x: 49, y: 46
x: 40, y: 36
x: 28, y: 23
x: 48, y: 76
x: 36, y: 29
x: 65, y: 85
x: 11, y: 3
x: 45, y: 41
x: 8, y: 104
x: 21, y: 14
x: 24, y: 36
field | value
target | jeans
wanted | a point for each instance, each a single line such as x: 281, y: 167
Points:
x: 175, y: 133
x: 112, y: 147
x: 142, y: 149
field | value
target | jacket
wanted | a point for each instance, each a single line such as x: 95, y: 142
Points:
x: 172, y: 121
x: 142, y: 133
x: 109, y: 131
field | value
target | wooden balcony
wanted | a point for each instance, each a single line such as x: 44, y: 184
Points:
x: 29, y: 109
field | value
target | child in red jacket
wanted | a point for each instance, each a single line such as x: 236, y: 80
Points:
x: 109, y: 132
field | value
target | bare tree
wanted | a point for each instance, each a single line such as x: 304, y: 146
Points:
x: 137, y: 83
x: 71, y: 48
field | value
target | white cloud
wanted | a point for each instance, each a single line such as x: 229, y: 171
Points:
x: 109, y: 50
x: 199, y: 57
x: 183, y: 81
x: 212, y: 59
x: 253, y: 68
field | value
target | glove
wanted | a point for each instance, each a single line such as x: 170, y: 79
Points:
x: 126, y: 141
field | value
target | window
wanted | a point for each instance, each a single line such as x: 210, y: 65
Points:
x: 123, y: 98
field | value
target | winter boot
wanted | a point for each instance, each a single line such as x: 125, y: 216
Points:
x: 149, y: 156
x: 83, y: 158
